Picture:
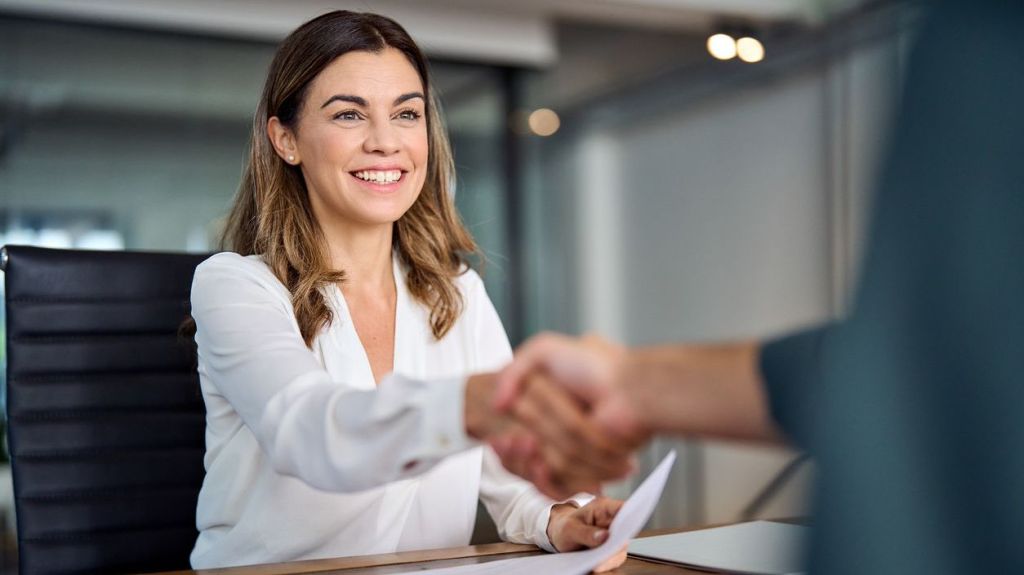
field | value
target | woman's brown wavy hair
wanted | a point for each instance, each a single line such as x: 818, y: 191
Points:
x: 271, y: 215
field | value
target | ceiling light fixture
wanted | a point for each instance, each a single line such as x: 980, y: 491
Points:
x: 544, y: 122
x: 722, y: 46
x: 750, y: 49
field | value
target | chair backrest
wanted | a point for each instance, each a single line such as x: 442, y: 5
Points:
x: 105, y: 416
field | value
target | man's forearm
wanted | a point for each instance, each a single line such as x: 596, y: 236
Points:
x: 713, y: 390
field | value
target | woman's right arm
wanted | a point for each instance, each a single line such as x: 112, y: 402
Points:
x: 330, y: 435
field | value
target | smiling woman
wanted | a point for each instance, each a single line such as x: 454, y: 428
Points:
x: 313, y: 118
x: 360, y: 139
x: 333, y: 340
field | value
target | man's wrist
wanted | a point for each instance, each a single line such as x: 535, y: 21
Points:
x: 698, y: 389
x: 638, y: 392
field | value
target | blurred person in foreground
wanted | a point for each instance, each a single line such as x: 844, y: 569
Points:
x: 913, y: 406
x: 332, y: 340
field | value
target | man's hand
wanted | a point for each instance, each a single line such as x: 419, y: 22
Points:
x: 547, y: 438
x: 586, y: 405
x: 583, y: 427
x: 711, y: 390
x: 564, y: 451
x: 591, y: 369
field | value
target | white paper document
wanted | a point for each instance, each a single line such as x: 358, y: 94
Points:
x: 754, y: 548
x: 627, y: 523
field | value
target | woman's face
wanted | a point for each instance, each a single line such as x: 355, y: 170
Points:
x: 361, y: 139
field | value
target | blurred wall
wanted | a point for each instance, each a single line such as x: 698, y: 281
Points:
x: 149, y: 130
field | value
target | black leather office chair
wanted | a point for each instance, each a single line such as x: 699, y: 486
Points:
x: 105, y: 417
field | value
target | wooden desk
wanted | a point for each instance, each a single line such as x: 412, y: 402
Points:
x: 390, y: 563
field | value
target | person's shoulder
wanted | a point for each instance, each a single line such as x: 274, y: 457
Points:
x: 229, y: 271
x: 469, y: 282
x: 232, y: 262
x: 229, y: 287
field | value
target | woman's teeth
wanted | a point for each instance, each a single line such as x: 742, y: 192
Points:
x: 379, y: 177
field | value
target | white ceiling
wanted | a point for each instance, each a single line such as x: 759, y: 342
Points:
x: 501, y: 31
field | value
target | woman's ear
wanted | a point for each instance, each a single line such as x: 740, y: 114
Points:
x: 283, y: 140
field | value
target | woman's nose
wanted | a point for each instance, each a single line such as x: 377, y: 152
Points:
x: 381, y: 138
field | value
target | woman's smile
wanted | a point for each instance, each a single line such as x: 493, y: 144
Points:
x: 380, y: 179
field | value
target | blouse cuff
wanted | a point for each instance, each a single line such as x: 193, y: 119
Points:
x: 446, y: 426
x: 581, y: 499
x: 540, y: 529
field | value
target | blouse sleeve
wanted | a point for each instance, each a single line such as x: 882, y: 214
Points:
x: 331, y: 436
x: 520, y: 512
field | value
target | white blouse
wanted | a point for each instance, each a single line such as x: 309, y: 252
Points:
x: 306, y: 457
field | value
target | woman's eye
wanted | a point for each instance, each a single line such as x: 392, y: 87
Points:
x: 409, y: 115
x: 347, y: 115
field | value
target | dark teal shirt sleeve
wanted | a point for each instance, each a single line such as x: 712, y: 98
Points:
x: 792, y: 368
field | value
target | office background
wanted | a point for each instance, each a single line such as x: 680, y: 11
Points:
x: 680, y: 197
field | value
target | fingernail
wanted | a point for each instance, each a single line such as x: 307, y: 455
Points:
x: 600, y: 535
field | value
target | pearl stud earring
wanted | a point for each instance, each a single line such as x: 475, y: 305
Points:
x: 291, y: 159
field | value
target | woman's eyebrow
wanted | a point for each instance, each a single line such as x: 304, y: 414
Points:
x: 407, y: 97
x: 345, y: 98
x: 362, y: 101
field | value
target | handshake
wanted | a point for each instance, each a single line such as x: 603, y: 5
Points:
x: 567, y: 414
x: 557, y: 416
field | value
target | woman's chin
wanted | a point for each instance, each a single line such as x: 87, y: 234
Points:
x: 378, y: 211
x: 373, y: 218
